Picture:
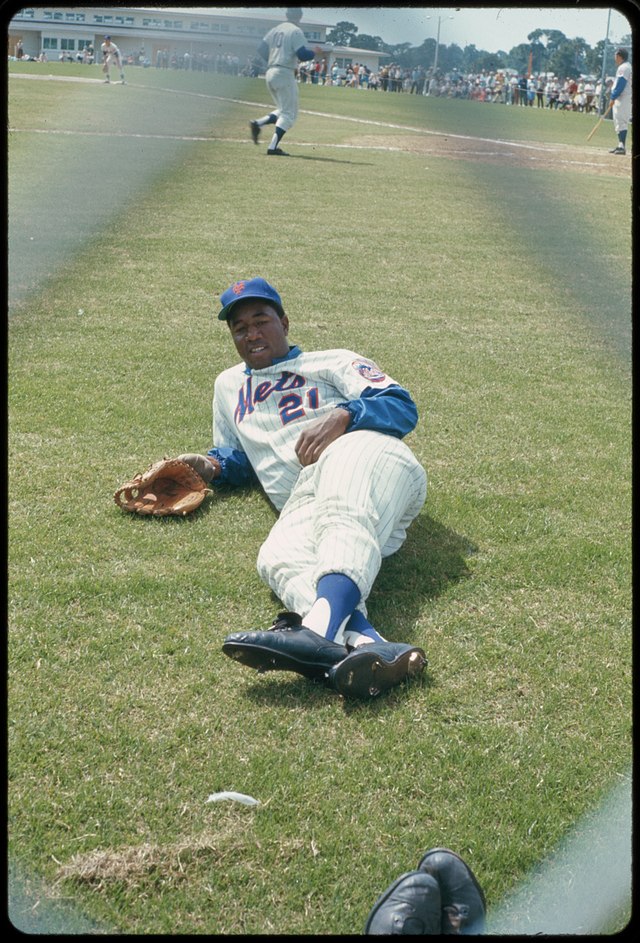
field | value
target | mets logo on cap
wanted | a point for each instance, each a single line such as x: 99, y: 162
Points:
x: 238, y: 288
x: 369, y: 370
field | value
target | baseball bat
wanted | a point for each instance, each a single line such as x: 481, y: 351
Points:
x: 592, y: 132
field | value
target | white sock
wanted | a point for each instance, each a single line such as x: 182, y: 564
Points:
x: 318, y: 618
x: 355, y: 639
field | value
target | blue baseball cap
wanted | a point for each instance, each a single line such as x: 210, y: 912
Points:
x: 248, y: 288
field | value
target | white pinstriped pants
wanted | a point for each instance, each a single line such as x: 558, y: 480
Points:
x: 346, y: 512
x: 282, y: 85
x: 621, y: 114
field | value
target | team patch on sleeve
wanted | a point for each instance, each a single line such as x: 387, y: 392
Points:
x: 369, y: 370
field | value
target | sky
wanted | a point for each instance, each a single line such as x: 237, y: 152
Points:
x: 490, y: 28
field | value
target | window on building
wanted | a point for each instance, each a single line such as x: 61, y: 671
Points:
x: 49, y: 42
x: 67, y: 44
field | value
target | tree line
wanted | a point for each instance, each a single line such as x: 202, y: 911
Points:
x: 546, y: 50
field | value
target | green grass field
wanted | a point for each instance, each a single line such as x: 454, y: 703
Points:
x: 493, y: 282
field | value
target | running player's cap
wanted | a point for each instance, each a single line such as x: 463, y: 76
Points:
x: 248, y: 288
x: 107, y: 37
x: 294, y: 13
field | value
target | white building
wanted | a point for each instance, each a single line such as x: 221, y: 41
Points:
x: 146, y: 34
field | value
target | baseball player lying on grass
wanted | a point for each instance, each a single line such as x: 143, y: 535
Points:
x: 321, y: 432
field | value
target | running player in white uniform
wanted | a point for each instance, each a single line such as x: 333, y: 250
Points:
x: 282, y: 48
x: 322, y: 433
x: 111, y: 56
x: 621, y: 98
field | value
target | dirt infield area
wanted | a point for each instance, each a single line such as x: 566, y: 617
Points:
x: 587, y: 159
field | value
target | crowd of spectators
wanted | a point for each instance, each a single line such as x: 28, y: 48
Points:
x: 199, y: 62
x: 543, y: 90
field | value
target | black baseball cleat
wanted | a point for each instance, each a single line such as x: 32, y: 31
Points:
x: 375, y: 667
x: 277, y: 152
x: 618, y: 150
x: 463, y: 902
x: 286, y: 646
x: 411, y: 906
x: 255, y: 131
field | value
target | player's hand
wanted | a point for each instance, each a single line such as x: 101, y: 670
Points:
x: 321, y: 433
x: 207, y: 466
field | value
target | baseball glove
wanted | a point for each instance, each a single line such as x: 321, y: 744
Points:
x: 169, y: 486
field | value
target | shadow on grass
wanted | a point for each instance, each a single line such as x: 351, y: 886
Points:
x: 431, y: 559
x: 331, y: 160
x: 288, y: 690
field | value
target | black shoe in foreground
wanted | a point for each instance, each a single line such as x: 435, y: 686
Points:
x: 255, y: 131
x: 286, y: 646
x: 411, y: 906
x: 277, y: 152
x: 618, y: 150
x: 375, y: 667
x: 463, y: 902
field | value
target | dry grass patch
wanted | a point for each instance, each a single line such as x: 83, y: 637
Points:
x: 173, y: 862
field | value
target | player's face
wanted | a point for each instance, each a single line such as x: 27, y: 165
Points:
x: 259, y: 333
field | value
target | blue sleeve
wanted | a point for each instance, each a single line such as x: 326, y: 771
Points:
x: 390, y: 410
x: 619, y: 87
x: 305, y: 54
x: 262, y: 52
x: 236, y: 467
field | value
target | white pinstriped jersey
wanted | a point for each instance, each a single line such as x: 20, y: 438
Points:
x: 283, y: 41
x: 624, y: 72
x: 110, y: 50
x: 263, y: 412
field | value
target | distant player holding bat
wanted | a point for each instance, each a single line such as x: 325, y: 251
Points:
x: 621, y: 99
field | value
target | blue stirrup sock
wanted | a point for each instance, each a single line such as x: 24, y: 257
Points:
x: 336, y: 598
x: 278, y: 134
x: 359, y: 631
x: 334, y: 614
